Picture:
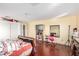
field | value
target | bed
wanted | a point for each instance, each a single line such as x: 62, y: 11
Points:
x: 24, y: 46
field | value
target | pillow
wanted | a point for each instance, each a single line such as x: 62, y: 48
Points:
x: 15, y: 45
x: 1, y: 46
x: 7, y: 45
x: 3, y: 50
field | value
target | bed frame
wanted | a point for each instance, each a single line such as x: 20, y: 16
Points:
x: 30, y: 40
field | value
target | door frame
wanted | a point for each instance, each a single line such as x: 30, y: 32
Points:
x: 41, y: 30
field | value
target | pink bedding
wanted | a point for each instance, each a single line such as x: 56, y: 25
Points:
x: 21, y: 50
x: 14, y: 48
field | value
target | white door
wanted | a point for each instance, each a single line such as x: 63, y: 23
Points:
x: 15, y: 30
x: 4, y: 30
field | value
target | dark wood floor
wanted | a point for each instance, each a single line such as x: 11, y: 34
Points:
x: 45, y: 49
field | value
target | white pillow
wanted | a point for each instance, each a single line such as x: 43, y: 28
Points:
x: 17, y: 45
x: 1, y: 46
x: 13, y: 46
x: 7, y: 46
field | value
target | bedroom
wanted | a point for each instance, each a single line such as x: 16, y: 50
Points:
x: 21, y: 22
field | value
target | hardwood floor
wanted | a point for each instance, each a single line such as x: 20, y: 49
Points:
x: 45, y: 49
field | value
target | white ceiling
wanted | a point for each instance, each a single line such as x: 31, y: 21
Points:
x: 31, y: 11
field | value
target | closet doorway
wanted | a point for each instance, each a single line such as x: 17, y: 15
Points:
x: 39, y: 32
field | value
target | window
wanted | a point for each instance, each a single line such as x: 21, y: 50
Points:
x: 55, y: 29
x: 9, y: 30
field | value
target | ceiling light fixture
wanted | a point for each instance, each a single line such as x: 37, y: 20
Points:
x: 34, y: 4
x: 55, y: 4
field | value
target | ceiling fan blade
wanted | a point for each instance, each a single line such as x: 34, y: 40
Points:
x: 8, y: 19
x: 5, y: 18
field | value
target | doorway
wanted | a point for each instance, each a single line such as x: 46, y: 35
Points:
x: 39, y: 33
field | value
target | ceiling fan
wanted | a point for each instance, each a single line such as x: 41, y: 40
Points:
x: 7, y: 18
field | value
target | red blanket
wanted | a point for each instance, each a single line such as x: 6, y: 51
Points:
x: 21, y: 50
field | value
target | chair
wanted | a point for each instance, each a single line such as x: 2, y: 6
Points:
x: 50, y: 41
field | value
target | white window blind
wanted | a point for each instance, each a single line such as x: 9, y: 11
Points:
x: 9, y: 30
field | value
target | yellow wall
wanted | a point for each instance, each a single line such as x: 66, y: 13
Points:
x: 64, y: 22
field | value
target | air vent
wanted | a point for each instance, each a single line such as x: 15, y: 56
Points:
x: 34, y: 4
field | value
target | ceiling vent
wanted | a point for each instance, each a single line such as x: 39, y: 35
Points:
x: 34, y: 4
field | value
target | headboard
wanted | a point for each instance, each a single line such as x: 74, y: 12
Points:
x: 28, y: 39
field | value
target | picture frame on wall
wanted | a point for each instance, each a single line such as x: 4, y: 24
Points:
x: 55, y: 29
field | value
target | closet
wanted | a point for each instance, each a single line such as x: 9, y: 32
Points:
x: 11, y: 30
